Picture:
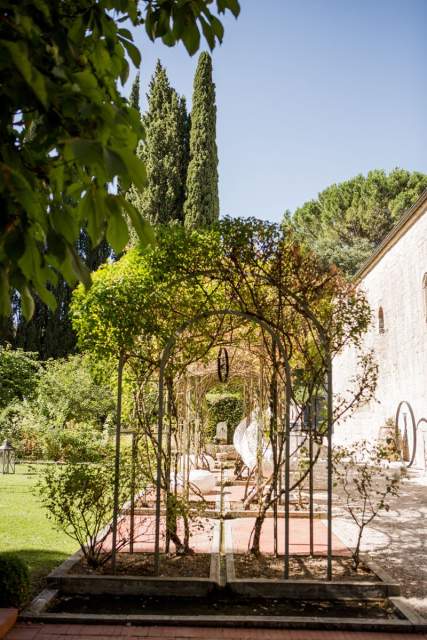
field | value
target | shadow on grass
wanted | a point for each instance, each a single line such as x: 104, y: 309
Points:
x: 40, y: 563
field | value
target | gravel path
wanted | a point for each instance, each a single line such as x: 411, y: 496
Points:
x: 398, y: 540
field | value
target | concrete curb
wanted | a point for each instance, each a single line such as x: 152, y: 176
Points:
x: 265, y: 622
x: 236, y: 513
x: 407, y: 611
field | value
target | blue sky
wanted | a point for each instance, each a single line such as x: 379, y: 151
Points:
x: 309, y: 92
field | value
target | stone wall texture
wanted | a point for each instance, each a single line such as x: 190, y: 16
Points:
x: 396, y: 284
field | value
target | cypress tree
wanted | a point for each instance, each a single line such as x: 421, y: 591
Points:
x: 134, y: 102
x: 165, y: 153
x: 134, y: 94
x: 202, y: 203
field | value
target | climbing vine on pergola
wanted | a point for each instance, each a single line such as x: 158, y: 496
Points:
x: 242, y: 282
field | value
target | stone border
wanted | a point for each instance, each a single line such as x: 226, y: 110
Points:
x: 213, y: 514
x: 215, y: 570
x: 132, y: 585
x: 66, y: 566
x: 135, y: 585
x: 263, y: 622
x: 385, y: 587
x: 407, y: 611
x: 41, y: 603
x: 411, y: 622
x: 61, y: 580
x: 232, y: 514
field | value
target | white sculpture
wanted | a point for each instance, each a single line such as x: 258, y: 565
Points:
x: 245, y: 442
x: 203, y: 480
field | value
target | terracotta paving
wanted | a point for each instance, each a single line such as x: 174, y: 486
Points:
x: 234, y: 492
x: 201, y: 534
x: 101, y: 632
x: 299, y: 536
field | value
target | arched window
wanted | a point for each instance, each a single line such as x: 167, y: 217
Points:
x: 425, y: 295
x: 380, y: 320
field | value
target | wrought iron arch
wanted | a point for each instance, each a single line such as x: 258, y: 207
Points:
x: 414, y: 429
x: 166, y: 353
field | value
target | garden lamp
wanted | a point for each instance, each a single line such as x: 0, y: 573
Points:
x: 7, y: 458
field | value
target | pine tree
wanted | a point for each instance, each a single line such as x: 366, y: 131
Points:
x: 165, y: 153
x: 202, y: 203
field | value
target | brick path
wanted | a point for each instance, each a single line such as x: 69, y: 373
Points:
x: 108, y: 632
x: 201, y: 534
x: 299, y: 536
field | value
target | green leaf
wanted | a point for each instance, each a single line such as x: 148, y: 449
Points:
x: 4, y: 292
x: 132, y: 51
x: 135, y: 167
x: 85, y: 151
x: 169, y: 39
x: 149, y: 23
x: 65, y: 223
x: 191, y: 38
x: 79, y: 268
x: 113, y: 162
x: 218, y: 28
x: 144, y: 230
x: 27, y: 302
x: 88, y: 83
x: 125, y: 33
x: 232, y: 5
x: 43, y: 7
x: 208, y: 33
x: 35, y: 80
x: 29, y: 262
x: 117, y: 231
x: 124, y: 74
x: 91, y: 212
x: 46, y: 296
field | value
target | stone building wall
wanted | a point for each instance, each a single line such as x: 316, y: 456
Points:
x: 394, y: 281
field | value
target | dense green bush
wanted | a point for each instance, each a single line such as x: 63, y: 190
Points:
x: 14, y: 581
x: 66, y: 416
x: 67, y: 390
x: 224, y: 407
x: 18, y: 374
x: 20, y: 423
x: 74, y: 442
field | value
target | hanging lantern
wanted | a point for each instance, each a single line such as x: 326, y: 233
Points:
x: 223, y: 365
x: 7, y: 458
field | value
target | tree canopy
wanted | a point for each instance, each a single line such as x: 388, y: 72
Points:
x: 67, y: 132
x: 348, y: 220
x: 135, y: 305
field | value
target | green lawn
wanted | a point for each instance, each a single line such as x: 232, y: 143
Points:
x: 24, y: 528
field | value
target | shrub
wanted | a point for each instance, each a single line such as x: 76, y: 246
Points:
x: 65, y: 416
x: 14, y: 581
x: 226, y: 407
x: 67, y: 390
x: 18, y: 374
x: 366, y: 485
x: 20, y: 424
x: 74, y: 442
x: 79, y: 498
